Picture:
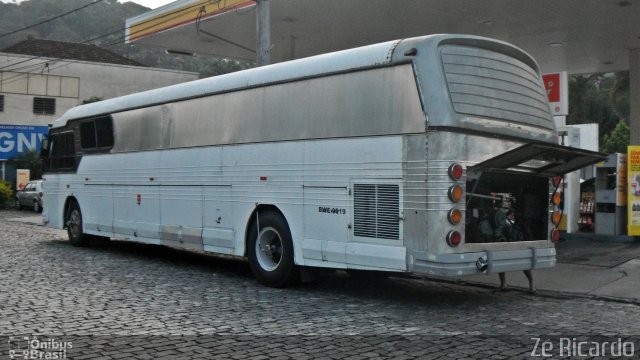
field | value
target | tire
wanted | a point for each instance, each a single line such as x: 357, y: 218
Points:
x: 18, y: 204
x: 36, y: 206
x: 270, y: 251
x: 74, y: 226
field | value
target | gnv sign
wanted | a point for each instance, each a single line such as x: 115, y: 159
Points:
x: 17, y: 140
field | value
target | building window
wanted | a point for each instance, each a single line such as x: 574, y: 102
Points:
x: 44, y: 106
x: 1, y: 103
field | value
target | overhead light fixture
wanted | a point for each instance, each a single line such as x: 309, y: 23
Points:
x: 555, y: 44
x: 179, y: 52
x: 607, y: 62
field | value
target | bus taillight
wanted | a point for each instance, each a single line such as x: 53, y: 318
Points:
x: 454, y: 238
x: 455, y: 171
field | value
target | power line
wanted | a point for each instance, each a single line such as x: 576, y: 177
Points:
x: 51, y: 19
x: 117, y: 40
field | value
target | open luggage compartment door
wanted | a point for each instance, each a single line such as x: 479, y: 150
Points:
x: 508, y: 197
x: 541, y: 159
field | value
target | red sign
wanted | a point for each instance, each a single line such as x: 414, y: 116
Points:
x: 552, y: 85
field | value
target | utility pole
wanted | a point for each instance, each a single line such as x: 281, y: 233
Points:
x: 263, y: 28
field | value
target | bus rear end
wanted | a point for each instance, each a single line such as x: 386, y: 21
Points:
x: 493, y: 169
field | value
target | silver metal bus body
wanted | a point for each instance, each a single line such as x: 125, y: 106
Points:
x: 344, y: 159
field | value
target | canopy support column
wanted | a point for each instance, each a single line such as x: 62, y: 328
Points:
x: 263, y: 28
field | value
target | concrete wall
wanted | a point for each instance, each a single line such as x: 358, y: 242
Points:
x: 95, y: 79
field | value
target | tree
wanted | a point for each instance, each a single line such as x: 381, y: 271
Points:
x: 617, y: 140
x: 601, y: 99
x: 91, y: 100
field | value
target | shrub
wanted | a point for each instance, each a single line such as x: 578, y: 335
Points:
x: 6, y: 194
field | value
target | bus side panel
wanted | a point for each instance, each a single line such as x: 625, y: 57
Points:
x: 96, y: 196
x: 264, y: 174
x: 184, y: 174
x: 56, y: 192
x: 332, y: 169
x: 136, y: 196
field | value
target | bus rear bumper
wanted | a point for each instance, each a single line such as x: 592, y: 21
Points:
x: 488, y: 262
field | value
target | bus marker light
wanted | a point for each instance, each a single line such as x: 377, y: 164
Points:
x: 556, y: 217
x: 556, y: 198
x: 263, y: 178
x: 139, y: 198
x: 556, y: 180
x: 454, y: 216
x: 455, y: 193
x: 555, y: 235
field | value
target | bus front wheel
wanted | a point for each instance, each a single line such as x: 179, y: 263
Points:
x: 74, y: 226
x: 270, y: 251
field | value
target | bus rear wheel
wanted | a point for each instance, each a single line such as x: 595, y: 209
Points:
x: 270, y: 251
x: 74, y: 226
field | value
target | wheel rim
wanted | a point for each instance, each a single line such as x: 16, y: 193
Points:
x: 269, y: 249
x: 74, y: 223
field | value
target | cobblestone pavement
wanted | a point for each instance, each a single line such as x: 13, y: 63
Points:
x: 127, y: 300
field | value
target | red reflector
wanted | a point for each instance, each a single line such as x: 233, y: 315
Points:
x: 263, y: 178
x: 556, y: 180
x: 454, y: 238
x: 555, y: 235
x: 138, y: 199
x: 455, y: 171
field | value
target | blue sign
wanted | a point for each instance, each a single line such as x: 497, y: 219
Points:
x: 17, y: 140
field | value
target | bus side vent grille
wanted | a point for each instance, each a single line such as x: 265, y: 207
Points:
x: 376, y: 211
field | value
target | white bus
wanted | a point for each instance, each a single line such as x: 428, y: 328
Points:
x: 432, y: 155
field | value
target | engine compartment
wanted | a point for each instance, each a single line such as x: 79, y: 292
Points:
x: 506, y: 207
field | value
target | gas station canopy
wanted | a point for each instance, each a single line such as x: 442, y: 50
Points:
x: 579, y: 36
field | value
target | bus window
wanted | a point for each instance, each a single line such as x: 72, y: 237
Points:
x: 88, y: 135
x: 62, y: 153
x: 104, y: 132
x: 96, y: 134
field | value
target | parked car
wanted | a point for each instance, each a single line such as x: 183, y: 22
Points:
x: 30, y: 196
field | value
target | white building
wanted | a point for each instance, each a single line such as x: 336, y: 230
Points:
x: 41, y: 79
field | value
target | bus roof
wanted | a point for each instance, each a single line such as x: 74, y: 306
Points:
x: 363, y: 57
x: 381, y: 54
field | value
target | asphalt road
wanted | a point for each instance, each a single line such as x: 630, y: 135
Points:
x: 135, y: 301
